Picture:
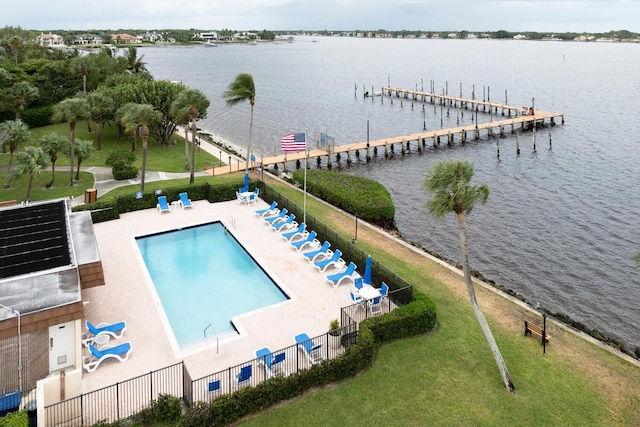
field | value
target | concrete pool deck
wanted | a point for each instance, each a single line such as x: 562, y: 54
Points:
x: 128, y: 294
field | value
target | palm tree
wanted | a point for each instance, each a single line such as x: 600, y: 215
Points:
x: 141, y: 116
x: 71, y: 110
x: 31, y: 160
x: 191, y: 103
x: 448, y: 182
x: 134, y: 64
x: 81, y: 65
x: 20, y: 94
x: 15, y: 133
x: 83, y: 150
x: 52, y: 144
x: 16, y: 45
x: 101, y: 107
x: 240, y: 90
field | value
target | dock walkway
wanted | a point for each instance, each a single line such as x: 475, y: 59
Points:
x: 523, y: 119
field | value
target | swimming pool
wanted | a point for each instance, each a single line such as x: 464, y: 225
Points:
x: 202, y: 276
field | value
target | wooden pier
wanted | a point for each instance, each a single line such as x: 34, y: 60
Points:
x: 522, y: 120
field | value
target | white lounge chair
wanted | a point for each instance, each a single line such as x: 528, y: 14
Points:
x: 319, y: 254
x: 309, y: 240
x: 184, y: 201
x: 273, y: 363
x: 349, y: 273
x: 312, y: 351
x: 334, y: 261
x: 271, y: 210
x: 162, y: 205
x: 120, y: 352
x: 114, y: 330
x: 296, y: 234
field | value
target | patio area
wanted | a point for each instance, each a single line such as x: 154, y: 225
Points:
x: 128, y: 294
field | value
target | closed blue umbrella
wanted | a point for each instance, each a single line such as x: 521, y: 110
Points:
x: 367, y: 271
x: 246, y: 182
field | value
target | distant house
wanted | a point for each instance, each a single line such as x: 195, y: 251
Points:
x: 519, y: 37
x: 124, y: 38
x: 88, y: 39
x: 211, y: 35
x: 50, y: 40
x: 150, y: 37
x: 452, y: 35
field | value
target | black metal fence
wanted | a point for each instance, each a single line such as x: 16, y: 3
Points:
x: 124, y: 399
x: 290, y: 360
x: 350, y: 252
x: 118, y: 401
x: 356, y: 313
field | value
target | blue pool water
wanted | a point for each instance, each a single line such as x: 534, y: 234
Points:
x: 203, y: 276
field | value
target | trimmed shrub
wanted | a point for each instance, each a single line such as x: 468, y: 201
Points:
x: 164, y: 411
x: 364, y: 197
x: 124, y: 172
x: 38, y: 116
x: 100, y: 211
x: 121, y: 163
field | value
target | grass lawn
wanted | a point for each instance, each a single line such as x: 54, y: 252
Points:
x: 165, y: 159
x: 449, y: 377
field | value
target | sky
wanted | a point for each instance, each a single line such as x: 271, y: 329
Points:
x: 597, y: 16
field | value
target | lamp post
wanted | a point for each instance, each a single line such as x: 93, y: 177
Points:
x: 13, y: 310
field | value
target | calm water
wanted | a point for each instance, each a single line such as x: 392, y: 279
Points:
x: 561, y: 224
x: 195, y: 272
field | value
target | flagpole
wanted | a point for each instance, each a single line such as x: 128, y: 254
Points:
x: 306, y: 154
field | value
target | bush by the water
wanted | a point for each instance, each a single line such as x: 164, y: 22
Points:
x: 364, y: 197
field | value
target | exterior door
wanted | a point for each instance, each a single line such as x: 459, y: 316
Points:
x: 61, y: 346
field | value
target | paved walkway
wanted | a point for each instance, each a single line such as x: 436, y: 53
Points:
x: 104, y: 181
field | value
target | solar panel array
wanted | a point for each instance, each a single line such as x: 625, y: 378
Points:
x: 33, y: 238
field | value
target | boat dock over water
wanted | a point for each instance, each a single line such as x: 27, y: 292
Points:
x: 524, y: 119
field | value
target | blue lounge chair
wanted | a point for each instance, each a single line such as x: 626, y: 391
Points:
x: 335, y: 260
x: 349, y: 273
x: 323, y: 252
x: 185, y: 201
x: 271, y: 210
x: 279, y: 217
x: 115, y: 330
x: 273, y: 364
x: 120, y: 352
x: 244, y: 376
x: 312, y: 351
x: 281, y: 225
x: 292, y: 235
x: 162, y: 205
x: 299, y: 244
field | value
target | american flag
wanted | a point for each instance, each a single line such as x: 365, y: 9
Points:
x: 293, y: 142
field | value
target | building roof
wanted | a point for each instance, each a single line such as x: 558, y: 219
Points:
x: 41, y: 247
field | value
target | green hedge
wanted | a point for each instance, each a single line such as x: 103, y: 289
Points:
x: 364, y: 197
x: 124, y: 172
x: 416, y: 318
x: 108, y: 209
x: 38, y: 116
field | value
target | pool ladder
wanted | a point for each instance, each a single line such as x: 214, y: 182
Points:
x: 210, y: 325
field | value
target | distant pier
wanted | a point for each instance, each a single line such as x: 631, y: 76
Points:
x: 524, y: 118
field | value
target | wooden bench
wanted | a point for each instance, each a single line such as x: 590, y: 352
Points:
x: 532, y: 328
